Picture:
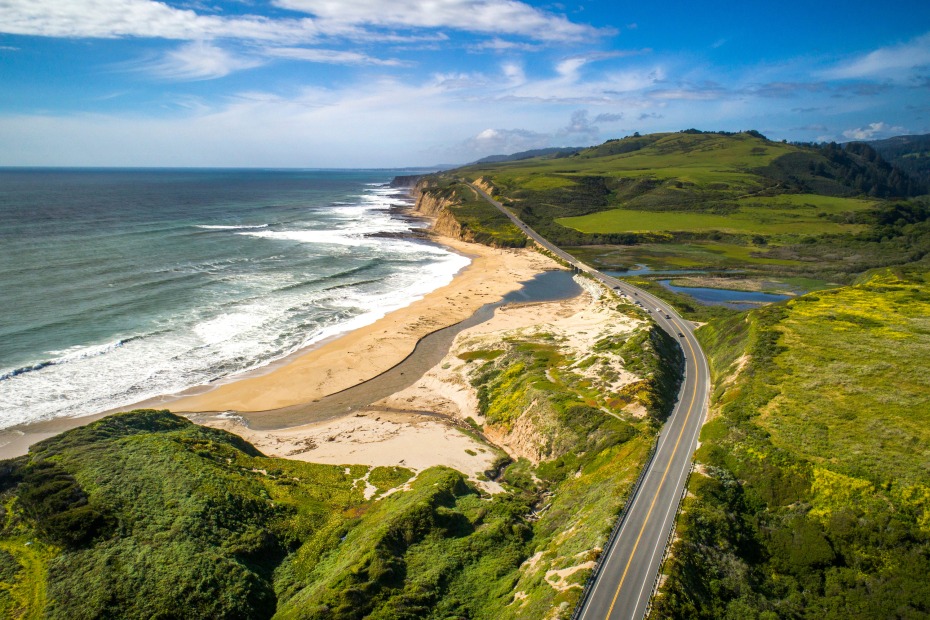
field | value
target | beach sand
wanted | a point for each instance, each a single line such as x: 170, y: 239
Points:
x: 340, y: 363
x: 418, y: 427
x: 368, y: 351
x: 375, y: 438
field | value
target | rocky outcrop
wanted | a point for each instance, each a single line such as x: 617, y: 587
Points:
x: 485, y: 184
x: 447, y: 226
x: 406, y: 181
x: 429, y: 202
x: 434, y: 204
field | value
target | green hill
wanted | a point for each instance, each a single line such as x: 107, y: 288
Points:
x: 736, y: 206
x: 696, y: 173
x: 146, y: 515
x: 909, y: 153
x: 811, y: 498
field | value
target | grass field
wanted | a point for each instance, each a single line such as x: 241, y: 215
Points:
x: 705, y: 255
x: 856, y: 395
x: 799, y: 214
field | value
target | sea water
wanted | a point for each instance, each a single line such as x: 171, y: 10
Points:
x: 121, y: 285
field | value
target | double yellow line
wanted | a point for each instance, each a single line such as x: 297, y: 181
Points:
x: 684, y: 425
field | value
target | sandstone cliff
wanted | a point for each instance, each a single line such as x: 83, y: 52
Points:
x: 459, y: 212
x: 432, y: 203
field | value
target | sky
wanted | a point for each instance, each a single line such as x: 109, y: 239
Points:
x: 395, y: 83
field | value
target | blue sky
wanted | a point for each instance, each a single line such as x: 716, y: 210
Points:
x: 384, y: 83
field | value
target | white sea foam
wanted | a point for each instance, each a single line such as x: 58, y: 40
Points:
x: 270, y: 316
x: 230, y: 227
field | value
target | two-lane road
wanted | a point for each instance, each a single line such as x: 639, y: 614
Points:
x: 624, y: 583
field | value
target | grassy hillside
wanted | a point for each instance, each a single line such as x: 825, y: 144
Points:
x: 811, y: 495
x: 812, y: 498
x: 479, y: 221
x: 765, y: 215
x: 145, y: 514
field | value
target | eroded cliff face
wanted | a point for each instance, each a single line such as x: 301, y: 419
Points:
x: 432, y: 204
x: 428, y: 201
x: 485, y: 184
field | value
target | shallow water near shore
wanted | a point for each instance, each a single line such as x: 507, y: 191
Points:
x: 429, y: 351
x: 120, y: 285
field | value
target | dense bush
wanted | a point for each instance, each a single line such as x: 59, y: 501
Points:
x: 814, y: 501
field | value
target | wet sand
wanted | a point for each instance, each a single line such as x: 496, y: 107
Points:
x: 315, y: 385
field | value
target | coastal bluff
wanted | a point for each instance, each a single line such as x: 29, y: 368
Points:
x: 459, y: 213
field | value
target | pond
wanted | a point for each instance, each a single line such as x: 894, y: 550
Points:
x: 738, y: 300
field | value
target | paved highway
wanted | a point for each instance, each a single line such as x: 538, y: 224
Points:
x: 628, y: 570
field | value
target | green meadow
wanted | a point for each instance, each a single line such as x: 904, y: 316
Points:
x: 799, y: 214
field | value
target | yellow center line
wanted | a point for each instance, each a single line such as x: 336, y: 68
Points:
x: 659, y: 488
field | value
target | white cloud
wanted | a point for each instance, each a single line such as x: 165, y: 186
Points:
x: 140, y: 18
x: 873, y: 130
x: 502, y: 45
x: 487, y: 16
x: 199, y: 61
x: 887, y: 62
x: 514, y: 73
x: 502, y: 141
x: 328, y: 56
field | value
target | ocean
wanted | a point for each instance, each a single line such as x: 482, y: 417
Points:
x: 120, y: 285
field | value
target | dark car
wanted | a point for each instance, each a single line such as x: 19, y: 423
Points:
x: 681, y: 335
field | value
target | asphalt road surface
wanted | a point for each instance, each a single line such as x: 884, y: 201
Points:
x: 624, y: 584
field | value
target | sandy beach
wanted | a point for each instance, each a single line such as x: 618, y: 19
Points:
x: 426, y: 424
x: 343, y: 362
x: 368, y: 351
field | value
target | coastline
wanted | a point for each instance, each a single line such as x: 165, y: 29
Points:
x: 364, y: 353
x: 342, y: 362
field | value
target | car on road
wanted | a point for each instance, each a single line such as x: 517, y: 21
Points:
x: 681, y: 335
x: 667, y: 316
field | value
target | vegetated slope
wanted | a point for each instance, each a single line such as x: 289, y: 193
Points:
x: 909, y: 153
x: 812, y: 497
x: 145, y: 514
x: 462, y: 213
x: 702, y: 174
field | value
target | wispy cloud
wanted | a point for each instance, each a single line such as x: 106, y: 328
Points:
x: 886, y: 62
x: 608, y: 117
x: 359, y: 19
x: 498, y: 44
x: 580, y: 128
x: 705, y: 91
x: 141, y: 18
x: 330, y: 56
x: 499, y: 17
x: 785, y: 89
x: 493, y: 141
x: 199, y: 61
